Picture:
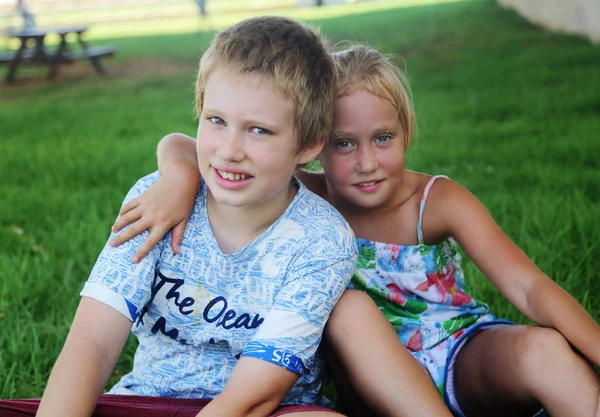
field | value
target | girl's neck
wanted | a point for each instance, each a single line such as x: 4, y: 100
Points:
x: 393, y: 221
x: 236, y: 227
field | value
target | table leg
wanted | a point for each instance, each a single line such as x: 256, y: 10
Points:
x: 94, y: 59
x: 55, y: 60
x: 14, y: 64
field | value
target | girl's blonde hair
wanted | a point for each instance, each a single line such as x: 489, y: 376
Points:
x: 360, y: 67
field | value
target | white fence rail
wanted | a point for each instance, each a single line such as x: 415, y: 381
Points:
x: 580, y: 17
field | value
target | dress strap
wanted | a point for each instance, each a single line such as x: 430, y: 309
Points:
x: 422, y: 208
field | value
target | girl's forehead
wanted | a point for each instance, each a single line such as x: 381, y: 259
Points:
x: 364, y: 105
x: 363, y: 115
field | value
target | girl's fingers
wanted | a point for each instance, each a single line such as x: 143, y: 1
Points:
x: 177, y: 235
x: 126, y: 219
x: 151, y: 241
x: 130, y: 206
x: 129, y: 233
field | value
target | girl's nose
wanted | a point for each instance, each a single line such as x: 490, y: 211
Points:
x: 367, y: 161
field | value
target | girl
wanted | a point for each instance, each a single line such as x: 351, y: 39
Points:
x: 408, y: 225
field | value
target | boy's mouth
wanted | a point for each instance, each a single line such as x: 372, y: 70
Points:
x: 232, y: 176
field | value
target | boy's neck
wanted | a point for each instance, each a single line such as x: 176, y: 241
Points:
x: 236, y: 227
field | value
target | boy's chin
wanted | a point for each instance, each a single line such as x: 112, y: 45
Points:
x: 235, y: 201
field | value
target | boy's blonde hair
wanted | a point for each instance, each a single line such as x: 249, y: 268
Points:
x: 291, y: 56
x: 360, y: 67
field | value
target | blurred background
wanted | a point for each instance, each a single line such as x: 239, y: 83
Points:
x: 507, y: 101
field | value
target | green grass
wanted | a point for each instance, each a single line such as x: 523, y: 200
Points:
x: 510, y: 111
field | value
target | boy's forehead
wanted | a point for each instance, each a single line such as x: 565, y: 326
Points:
x: 251, y: 94
x: 259, y: 80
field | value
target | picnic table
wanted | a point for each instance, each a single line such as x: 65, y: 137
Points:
x: 33, y: 49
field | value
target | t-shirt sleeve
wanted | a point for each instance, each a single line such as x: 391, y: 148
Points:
x: 293, y: 328
x: 115, y: 280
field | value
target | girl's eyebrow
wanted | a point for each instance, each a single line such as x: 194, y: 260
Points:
x: 341, y: 134
x: 378, y: 130
x: 383, y: 129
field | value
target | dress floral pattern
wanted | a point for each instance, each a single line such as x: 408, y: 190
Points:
x: 421, y: 290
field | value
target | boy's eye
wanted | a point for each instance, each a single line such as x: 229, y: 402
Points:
x: 383, y: 138
x: 260, y: 131
x: 343, y: 143
x: 217, y: 120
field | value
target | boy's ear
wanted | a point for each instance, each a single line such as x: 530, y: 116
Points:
x: 308, y: 154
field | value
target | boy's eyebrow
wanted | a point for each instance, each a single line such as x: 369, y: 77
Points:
x: 210, y: 110
x: 250, y: 121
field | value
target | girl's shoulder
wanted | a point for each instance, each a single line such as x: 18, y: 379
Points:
x: 433, y: 188
x: 440, y: 198
x: 428, y: 186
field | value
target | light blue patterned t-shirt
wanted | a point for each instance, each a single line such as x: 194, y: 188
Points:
x: 195, y: 314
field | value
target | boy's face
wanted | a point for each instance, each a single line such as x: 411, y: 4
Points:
x: 364, y: 157
x: 247, y: 144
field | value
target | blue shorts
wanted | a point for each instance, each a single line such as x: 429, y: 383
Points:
x: 441, y: 359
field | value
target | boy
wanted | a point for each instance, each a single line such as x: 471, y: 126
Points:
x: 238, y: 315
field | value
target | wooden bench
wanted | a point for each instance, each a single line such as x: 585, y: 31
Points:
x: 40, y: 54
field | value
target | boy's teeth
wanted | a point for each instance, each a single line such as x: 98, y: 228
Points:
x: 367, y: 184
x: 232, y: 177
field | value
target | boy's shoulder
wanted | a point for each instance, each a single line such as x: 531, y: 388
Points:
x: 142, y: 185
x: 319, y: 222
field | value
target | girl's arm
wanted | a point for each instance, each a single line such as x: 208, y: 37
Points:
x: 168, y: 202
x: 458, y: 213
x: 94, y: 343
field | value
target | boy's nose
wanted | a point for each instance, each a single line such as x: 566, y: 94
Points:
x: 231, y: 147
x: 367, y: 161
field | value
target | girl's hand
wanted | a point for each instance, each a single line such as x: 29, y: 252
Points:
x: 167, y: 204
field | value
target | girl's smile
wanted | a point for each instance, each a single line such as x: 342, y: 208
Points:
x: 364, y: 158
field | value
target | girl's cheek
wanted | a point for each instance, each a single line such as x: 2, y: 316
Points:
x: 338, y: 168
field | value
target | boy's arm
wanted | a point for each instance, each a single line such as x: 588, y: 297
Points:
x: 255, y: 388
x: 94, y: 343
x: 510, y: 270
x: 168, y: 202
x: 287, y: 340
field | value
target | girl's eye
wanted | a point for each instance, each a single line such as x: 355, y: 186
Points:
x: 344, y: 144
x: 383, y: 138
x: 216, y: 120
x: 260, y: 131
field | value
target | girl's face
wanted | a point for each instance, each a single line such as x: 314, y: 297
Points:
x: 364, y: 157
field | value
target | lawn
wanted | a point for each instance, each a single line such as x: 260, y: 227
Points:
x: 510, y: 111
